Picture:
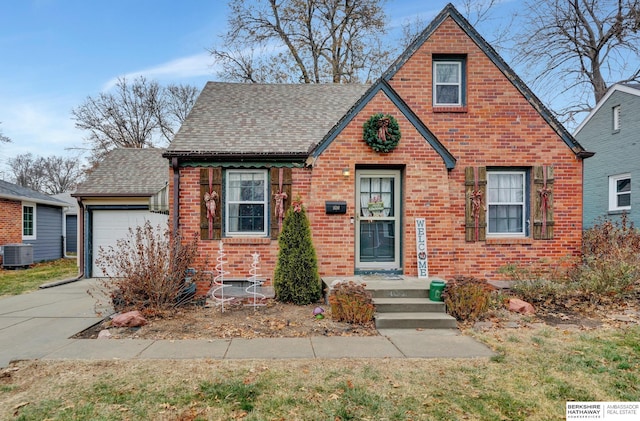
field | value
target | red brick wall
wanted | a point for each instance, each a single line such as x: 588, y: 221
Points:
x: 10, y: 222
x: 238, y: 250
x: 498, y: 127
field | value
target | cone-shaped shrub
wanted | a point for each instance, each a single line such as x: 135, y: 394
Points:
x: 296, y: 279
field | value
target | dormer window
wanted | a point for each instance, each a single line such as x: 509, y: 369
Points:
x: 448, y: 82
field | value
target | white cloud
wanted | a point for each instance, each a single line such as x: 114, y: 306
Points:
x: 195, y: 66
x: 42, y: 127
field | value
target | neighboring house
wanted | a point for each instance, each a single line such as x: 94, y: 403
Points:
x: 482, y: 171
x: 124, y: 191
x: 70, y: 222
x: 612, y: 176
x: 31, y: 217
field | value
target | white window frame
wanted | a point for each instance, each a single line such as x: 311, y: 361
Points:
x: 264, y: 202
x: 616, y: 118
x: 614, y: 193
x: 523, y: 204
x: 34, y: 207
x: 459, y: 83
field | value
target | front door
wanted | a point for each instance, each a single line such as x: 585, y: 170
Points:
x: 378, y: 220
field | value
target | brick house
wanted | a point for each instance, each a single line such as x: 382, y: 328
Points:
x: 480, y: 164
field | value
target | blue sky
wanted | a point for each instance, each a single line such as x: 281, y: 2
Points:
x: 55, y: 53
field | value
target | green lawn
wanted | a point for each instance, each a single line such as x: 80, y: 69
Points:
x: 19, y: 281
x: 535, y: 373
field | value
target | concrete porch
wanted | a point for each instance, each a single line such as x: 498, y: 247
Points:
x: 402, y: 302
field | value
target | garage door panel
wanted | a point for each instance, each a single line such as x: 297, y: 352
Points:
x: 111, y: 225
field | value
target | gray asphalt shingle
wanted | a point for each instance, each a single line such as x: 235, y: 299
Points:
x: 263, y: 118
x: 127, y: 171
x: 16, y: 192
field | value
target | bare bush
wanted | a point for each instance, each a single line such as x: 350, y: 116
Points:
x: 149, y: 270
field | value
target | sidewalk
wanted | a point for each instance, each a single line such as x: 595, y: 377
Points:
x: 38, y: 326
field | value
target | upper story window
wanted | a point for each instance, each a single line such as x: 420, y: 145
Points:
x: 246, y: 202
x: 28, y: 221
x: 506, y: 203
x: 619, y: 192
x: 616, y: 118
x: 448, y: 82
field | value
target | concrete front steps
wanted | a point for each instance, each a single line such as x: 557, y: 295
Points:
x: 406, y: 305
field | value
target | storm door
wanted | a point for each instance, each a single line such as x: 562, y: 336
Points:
x: 378, y: 220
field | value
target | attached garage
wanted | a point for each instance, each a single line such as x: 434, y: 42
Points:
x: 110, y: 225
x: 126, y: 189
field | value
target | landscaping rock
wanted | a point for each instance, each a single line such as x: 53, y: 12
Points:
x: 129, y: 319
x: 104, y: 334
x: 482, y: 326
x: 519, y: 306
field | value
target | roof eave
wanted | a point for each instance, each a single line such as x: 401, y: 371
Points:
x: 33, y: 200
x: 237, y: 156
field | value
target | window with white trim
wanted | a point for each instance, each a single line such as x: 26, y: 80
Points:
x: 28, y: 221
x: 620, y: 192
x: 448, y: 87
x: 506, y: 203
x: 616, y: 118
x: 246, y: 205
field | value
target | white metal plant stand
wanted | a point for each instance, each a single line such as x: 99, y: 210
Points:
x: 255, y: 283
x: 217, y: 290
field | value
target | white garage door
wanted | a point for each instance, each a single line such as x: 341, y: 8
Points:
x: 112, y: 225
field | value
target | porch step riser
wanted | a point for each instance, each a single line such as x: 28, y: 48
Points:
x: 415, y: 321
x: 399, y: 293
x: 400, y: 307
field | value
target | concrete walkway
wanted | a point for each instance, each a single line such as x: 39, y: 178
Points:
x: 38, y: 325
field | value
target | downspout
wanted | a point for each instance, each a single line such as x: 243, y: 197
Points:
x: 176, y: 193
x: 80, y: 257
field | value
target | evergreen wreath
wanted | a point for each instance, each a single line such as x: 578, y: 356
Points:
x: 381, y: 132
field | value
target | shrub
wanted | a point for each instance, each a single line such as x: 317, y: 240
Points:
x: 146, y: 271
x: 610, y: 265
x: 351, y: 303
x: 540, y: 281
x: 296, y: 278
x: 466, y: 298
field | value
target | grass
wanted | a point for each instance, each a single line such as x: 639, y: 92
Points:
x: 19, y: 281
x: 536, y: 373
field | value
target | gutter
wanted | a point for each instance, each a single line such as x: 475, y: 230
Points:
x: 235, y: 156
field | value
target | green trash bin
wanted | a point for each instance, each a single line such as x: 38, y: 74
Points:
x: 435, y: 290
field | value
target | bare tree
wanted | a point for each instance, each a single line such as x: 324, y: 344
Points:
x: 50, y: 175
x: 135, y: 115
x: 28, y: 171
x: 177, y: 101
x: 62, y: 174
x: 304, y: 41
x: 578, y: 48
x: 3, y: 138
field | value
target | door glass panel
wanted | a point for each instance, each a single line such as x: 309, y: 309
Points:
x: 377, y: 241
x: 376, y: 197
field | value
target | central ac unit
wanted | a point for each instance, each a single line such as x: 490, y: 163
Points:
x: 16, y: 255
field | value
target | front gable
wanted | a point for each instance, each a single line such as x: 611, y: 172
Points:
x: 451, y: 36
x: 383, y: 87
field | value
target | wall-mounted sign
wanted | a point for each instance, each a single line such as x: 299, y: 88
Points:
x: 421, y: 248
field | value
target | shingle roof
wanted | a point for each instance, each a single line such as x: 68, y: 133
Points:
x: 16, y: 192
x: 244, y: 118
x: 127, y: 172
